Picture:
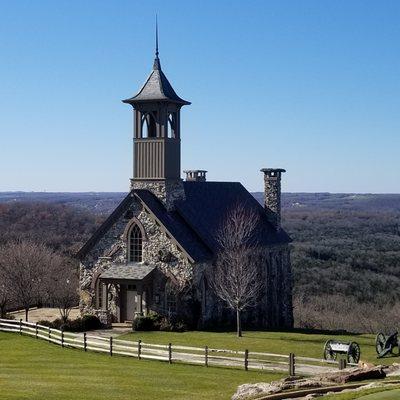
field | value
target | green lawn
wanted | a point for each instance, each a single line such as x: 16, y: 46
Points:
x: 34, y: 369
x: 309, y: 345
x: 369, y: 394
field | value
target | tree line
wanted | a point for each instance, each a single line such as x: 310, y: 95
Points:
x: 37, y: 246
x: 345, y: 262
x: 346, y: 268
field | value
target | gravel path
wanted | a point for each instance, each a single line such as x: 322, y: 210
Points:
x: 48, y: 314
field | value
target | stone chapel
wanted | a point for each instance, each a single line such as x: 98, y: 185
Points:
x: 153, y: 251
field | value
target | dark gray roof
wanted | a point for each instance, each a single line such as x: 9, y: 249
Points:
x: 131, y: 271
x: 195, y: 222
x: 176, y: 226
x: 208, y: 203
x: 156, y: 88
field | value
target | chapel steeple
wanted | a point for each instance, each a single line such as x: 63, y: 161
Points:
x: 156, y: 138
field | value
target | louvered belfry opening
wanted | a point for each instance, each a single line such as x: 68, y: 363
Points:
x: 135, y: 244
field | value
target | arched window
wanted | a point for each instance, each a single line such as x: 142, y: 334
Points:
x: 172, y: 125
x: 99, y: 293
x: 135, y: 240
x: 149, y: 128
x: 170, y: 298
x: 204, y: 287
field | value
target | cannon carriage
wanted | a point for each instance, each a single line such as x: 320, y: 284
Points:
x: 351, y: 349
x: 387, y: 344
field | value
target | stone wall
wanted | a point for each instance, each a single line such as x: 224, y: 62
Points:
x: 274, y: 307
x: 159, y: 250
x: 168, y: 190
x: 272, y: 195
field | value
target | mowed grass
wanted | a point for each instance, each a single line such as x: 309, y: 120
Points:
x: 301, y: 344
x: 34, y: 369
x: 369, y: 394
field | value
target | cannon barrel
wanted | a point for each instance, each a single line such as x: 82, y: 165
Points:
x: 334, y: 347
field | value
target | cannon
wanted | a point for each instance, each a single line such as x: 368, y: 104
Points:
x: 387, y: 344
x: 351, y: 349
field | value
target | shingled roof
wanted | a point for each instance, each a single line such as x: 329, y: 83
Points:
x: 130, y: 271
x: 195, y: 222
x: 207, y: 205
x: 156, y: 88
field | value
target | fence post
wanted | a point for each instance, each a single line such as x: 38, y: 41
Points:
x: 169, y: 353
x: 62, y: 337
x: 292, y: 370
x: 20, y: 326
x: 139, y: 349
x: 246, y: 359
x: 84, y: 342
x: 49, y: 332
x: 342, y: 363
x: 36, y: 330
x: 206, y: 356
x: 111, y: 346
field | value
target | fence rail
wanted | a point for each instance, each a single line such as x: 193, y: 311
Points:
x: 206, y: 356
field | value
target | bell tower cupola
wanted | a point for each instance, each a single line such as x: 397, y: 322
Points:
x: 157, y: 135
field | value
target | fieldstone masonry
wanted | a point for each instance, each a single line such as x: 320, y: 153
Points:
x: 272, y: 193
x: 158, y: 250
x: 167, y: 190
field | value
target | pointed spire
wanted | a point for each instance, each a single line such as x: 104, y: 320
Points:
x: 156, y: 37
x: 157, y: 65
x: 157, y: 86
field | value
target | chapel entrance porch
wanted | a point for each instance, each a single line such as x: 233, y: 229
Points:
x: 132, y: 301
x: 133, y: 289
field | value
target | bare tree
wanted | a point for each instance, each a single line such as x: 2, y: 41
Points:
x: 5, y: 295
x: 236, y: 275
x: 23, y: 265
x: 62, y: 285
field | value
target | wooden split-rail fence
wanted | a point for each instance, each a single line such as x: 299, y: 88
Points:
x: 207, y: 356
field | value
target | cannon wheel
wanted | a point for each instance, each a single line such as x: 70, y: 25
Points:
x: 329, y: 354
x: 396, y: 349
x: 353, y: 353
x: 380, y: 342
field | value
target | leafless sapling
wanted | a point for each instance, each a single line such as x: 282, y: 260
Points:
x: 62, y: 283
x: 236, y: 276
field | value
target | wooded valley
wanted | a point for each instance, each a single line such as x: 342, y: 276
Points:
x: 346, y: 249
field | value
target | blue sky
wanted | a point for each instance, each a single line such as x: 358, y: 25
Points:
x: 310, y: 86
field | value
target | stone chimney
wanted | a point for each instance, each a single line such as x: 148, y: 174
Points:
x: 272, y: 195
x: 195, y: 175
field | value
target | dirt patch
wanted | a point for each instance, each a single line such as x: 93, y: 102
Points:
x: 38, y: 314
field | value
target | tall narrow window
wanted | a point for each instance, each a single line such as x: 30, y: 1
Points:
x: 149, y: 125
x: 170, y: 298
x: 135, y: 244
x: 172, y: 125
x: 204, y: 293
x: 99, y: 294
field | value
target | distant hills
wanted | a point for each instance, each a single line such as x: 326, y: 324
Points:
x: 339, y: 201
x: 105, y: 202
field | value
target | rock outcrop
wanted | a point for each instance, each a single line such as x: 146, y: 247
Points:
x: 365, y: 372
